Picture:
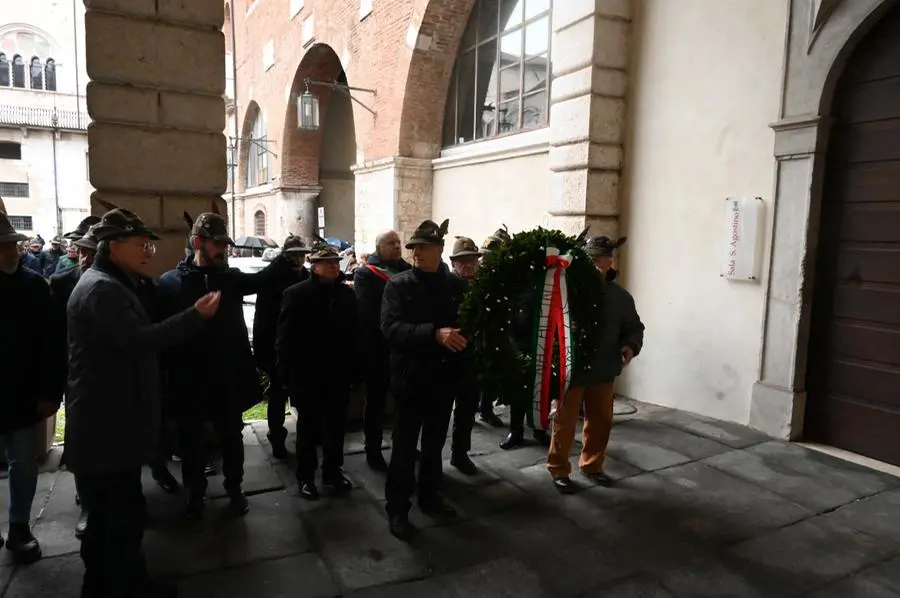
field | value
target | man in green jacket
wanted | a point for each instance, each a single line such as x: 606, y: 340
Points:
x: 622, y: 339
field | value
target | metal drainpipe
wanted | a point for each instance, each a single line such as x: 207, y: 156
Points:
x: 55, y: 121
x: 236, y: 145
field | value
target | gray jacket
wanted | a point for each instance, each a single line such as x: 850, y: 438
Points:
x: 112, y: 398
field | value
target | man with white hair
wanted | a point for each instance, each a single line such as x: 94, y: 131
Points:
x: 368, y: 283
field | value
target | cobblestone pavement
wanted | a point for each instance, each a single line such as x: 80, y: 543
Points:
x: 701, y: 509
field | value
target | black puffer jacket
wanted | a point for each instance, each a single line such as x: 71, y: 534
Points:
x: 368, y: 284
x: 318, y: 332
x: 214, y: 369
x: 282, y: 273
x: 417, y: 304
x: 32, y: 349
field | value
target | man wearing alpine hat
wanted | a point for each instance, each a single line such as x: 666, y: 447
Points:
x: 420, y: 321
x: 621, y: 341
x: 318, y: 325
x: 211, y: 376
x: 113, y: 402
x: 286, y: 270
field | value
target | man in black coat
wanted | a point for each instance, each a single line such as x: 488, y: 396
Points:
x: 285, y: 271
x: 114, y: 378
x: 318, y: 326
x: 32, y: 382
x: 211, y: 376
x: 368, y: 284
x: 420, y: 321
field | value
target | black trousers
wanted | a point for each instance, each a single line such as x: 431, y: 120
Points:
x: 111, y: 548
x: 378, y: 381
x: 485, y: 404
x: 428, y: 412
x: 276, y: 406
x: 322, y: 415
x: 466, y: 405
x: 517, y: 420
x: 195, y: 453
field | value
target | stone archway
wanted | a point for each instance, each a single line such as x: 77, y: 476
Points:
x: 316, y: 165
x: 822, y: 35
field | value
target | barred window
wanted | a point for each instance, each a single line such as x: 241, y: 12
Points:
x: 500, y: 83
x: 13, y: 189
x: 259, y: 223
x: 21, y: 223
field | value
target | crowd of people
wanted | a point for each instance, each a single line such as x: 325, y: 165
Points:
x: 175, y: 354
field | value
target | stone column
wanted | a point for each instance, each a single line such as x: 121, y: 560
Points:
x: 392, y: 193
x: 155, y: 97
x: 587, y: 113
x: 778, y: 401
x: 297, y: 211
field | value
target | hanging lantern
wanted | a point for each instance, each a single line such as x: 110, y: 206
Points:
x: 308, y: 110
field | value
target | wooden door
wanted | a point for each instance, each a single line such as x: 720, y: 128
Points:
x: 854, y: 359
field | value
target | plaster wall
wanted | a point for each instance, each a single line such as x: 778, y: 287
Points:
x: 699, y: 113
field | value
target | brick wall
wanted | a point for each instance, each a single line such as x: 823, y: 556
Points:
x: 376, y: 53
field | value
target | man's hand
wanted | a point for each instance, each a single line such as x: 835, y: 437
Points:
x: 46, y: 408
x: 207, y: 305
x: 451, y: 339
x: 627, y: 356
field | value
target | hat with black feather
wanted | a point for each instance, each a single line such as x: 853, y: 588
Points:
x: 429, y: 233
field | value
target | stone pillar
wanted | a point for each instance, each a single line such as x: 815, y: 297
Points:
x: 297, y: 211
x: 587, y: 113
x: 155, y: 97
x: 778, y: 402
x: 392, y: 193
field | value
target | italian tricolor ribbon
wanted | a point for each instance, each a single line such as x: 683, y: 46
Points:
x: 552, y: 327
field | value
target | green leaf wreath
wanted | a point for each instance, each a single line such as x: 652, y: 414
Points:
x: 489, y: 308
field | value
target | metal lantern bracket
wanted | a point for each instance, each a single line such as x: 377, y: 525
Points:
x: 252, y: 141
x: 344, y: 88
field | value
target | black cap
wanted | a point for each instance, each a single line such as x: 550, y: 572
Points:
x: 294, y: 244
x: 603, y: 246
x: 429, y: 233
x: 119, y: 223
x: 82, y: 228
x: 211, y: 226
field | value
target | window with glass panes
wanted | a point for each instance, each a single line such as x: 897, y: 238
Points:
x: 501, y: 80
x: 258, y: 155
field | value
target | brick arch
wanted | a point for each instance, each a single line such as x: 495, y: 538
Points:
x: 250, y: 115
x: 426, y: 81
x: 302, y: 149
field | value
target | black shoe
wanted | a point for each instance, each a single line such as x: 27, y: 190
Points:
x: 337, y: 483
x: 376, y: 461
x: 238, y: 502
x: 279, y: 450
x: 196, y: 507
x: 309, y: 491
x: 166, y: 480
x: 81, y: 526
x: 462, y: 462
x: 512, y: 440
x: 601, y: 479
x: 401, y: 528
x: 22, y: 544
x: 491, y: 419
x: 437, y: 508
x: 564, y: 485
x: 542, y: 437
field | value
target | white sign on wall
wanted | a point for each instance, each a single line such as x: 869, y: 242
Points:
x: 321, y: 218
x: 744, y: 228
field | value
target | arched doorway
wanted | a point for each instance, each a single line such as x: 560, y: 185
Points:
x: 315, y: 168
x: 853, y: 375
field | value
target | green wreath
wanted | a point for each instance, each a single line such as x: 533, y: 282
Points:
x: 487, y: 313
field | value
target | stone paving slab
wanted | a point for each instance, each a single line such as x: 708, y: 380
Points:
x: 301, y: 576
x: 880, y: 581
x: 728, y: 433
x: 807, y: 477
x: 707, y: 578
x: 806, y: 556
x: 59, y: 577
x: 641, y: 586
x: 650, y: 446
x: 876, y: 515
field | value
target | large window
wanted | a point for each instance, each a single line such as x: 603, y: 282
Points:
x: 4, y: 70
x: 10, y: 150
x: 37, y: 73
x: 21, y: 223
x: 50, y: 75
x: 13, y: 189
x: 500, y: 83
x: 18, y: 72
x: 258, y: 155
